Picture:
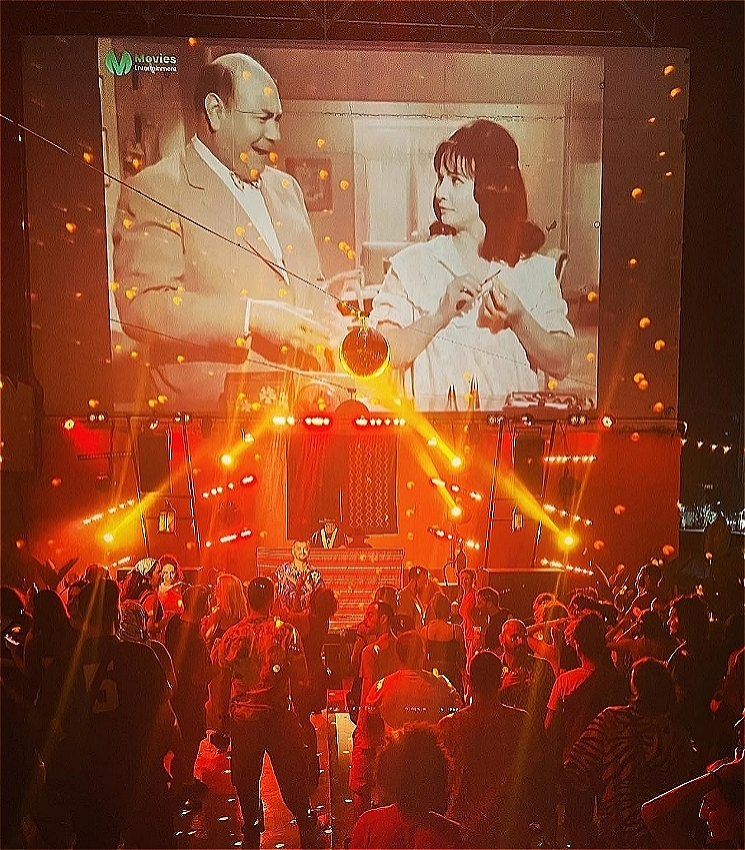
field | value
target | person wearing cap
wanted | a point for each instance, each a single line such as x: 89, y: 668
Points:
x: 141, y: 584
x: 328, y: 536
x: 261, y: 661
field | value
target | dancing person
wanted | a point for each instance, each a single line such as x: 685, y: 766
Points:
x: 444, y: 643
x: 261, y: 660
x: 629, y: 754
x: 496, y: 758
x: 296, y: 580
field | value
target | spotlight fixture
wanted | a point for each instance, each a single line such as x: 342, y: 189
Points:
x: 607, y: 421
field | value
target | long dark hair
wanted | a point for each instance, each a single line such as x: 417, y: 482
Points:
x: 487, y: 154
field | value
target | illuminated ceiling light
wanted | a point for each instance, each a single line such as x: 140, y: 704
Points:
x: 456, y: 462
x: 108, y: 537
x: 699, y: 443
x: 659, y: 345
x: 668, y: 69
x: 226, y: 459
x: 317, y: 421
x: 632, y: 263
x: 247, y: 480
x: 432, y: 441
x: 726, y: 449
x: 637, y: 192
x: 456, y: 512
x: 279, y: 420
x: 658, y: 407
x: 153, y: 424
x: 192, y: 42
x: 651, y: 119
x: 607, y: 421
x: 68, y: 424
x: 527, y: 419
x: 364, y: 352
x: 645, y: 322
x: 567, y: 539
x: 675, y: 92
x: 438, y: 482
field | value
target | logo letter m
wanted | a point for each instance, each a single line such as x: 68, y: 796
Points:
x: 119, y: 66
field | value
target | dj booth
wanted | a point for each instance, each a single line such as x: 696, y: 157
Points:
x: 353, y: 574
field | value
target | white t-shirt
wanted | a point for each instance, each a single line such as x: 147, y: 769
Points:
x: 413, y: 287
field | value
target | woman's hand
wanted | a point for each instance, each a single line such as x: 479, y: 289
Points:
x: 458, y: 297
x: 500, y: 308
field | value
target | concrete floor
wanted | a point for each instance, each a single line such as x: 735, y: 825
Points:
x: 218, y: 823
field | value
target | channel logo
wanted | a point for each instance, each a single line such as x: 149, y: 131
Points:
x: 120, y: 66
x: 151, y: 63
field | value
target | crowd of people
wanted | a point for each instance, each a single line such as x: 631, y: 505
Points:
x: 590, y: 724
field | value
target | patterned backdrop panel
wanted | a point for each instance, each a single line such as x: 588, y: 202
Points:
x: 369, y: 493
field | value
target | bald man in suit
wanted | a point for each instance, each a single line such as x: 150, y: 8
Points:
x: 216, y: 266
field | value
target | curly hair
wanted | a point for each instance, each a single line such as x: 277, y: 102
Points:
x: 412, y: 769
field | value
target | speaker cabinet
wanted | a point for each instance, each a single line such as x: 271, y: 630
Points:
x: 154, y: 462
x: 528, y: 462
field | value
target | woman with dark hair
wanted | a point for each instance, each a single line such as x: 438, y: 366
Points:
x: 444, y: 643
x: 629, y: 754
x: 51, y: 635
x: 412, y: 771
x: 141, y: 584
x: 476, y: 300
x: 697, y: 669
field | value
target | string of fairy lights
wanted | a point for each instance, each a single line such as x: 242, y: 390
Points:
x: 132, y: 292
x: 640, y: 379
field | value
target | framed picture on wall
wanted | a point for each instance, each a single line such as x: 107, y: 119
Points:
x: 313, y: 173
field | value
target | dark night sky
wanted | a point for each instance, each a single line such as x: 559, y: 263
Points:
x: 711, y: 353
